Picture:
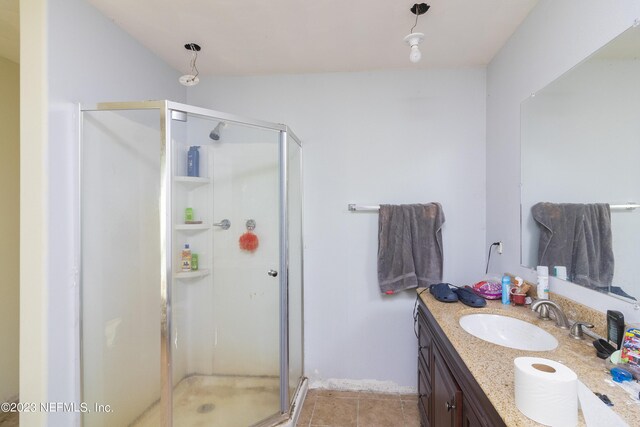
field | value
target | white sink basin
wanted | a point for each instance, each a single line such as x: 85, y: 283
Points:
x: 508, y: 332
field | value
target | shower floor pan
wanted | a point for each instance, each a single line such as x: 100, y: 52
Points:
x: 228, y: 401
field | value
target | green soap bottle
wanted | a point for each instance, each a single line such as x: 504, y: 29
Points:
x: 188, y: 214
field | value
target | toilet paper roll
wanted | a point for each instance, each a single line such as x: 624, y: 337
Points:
x: 546, y: 391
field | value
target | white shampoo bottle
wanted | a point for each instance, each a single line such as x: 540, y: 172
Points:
x: 543, y: 281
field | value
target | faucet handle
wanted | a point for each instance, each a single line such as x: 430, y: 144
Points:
x: 576, y: 330
x: 543, y: 312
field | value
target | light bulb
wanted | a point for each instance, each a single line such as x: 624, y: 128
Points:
x: 415, y: 55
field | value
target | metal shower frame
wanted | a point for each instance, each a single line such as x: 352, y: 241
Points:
x: 169, y: 110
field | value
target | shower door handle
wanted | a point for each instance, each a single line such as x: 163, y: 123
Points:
x: 272, y: 273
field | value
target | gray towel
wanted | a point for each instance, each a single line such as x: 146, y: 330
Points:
x: 409, y: 246
x: 577, y: 236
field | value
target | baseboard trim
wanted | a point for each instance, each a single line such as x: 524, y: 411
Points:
x: 375, y: 386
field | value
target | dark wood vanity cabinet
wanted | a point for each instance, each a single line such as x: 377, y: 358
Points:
x: 446, y: 394
x: 449, y: 396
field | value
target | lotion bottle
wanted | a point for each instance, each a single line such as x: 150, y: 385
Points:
x: 506, y: 288
x: 186, y: 258
x: 543, y: 282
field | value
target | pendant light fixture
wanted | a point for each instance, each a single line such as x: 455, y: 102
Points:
x: 414, y: 39
x: 192, y: 78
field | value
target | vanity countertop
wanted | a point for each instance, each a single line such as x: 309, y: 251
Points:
x: 492, y: 365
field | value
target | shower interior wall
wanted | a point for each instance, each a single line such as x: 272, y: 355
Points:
x: 220, y: 319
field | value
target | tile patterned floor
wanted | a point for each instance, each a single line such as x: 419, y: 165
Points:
x: 329, y: 408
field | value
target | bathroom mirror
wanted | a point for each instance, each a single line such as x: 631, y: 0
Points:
x: 580, y: 146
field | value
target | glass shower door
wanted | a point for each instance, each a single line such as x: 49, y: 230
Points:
x: 120, y: 189
x: 225, y: 313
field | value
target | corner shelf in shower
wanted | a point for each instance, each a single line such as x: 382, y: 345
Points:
x: 192, y: 227
x: 191, y: 274
x: 192, y: 181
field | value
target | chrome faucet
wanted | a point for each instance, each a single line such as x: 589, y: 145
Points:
x: 561, y: 319
x: 577, y: 332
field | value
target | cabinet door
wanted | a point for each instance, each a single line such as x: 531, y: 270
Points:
x: 469, y: 417
x: 447, y: 396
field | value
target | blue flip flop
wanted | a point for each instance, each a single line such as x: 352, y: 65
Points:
x: 470, y: 298
x: 442, y: 292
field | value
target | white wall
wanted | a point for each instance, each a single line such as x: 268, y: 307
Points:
x: 555, y: 36
x: 89, y: 59
x: 33, y: 207
x: 9, y: 228
x: 370, y: 138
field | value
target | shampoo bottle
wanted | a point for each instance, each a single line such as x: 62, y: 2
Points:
x: 506, y: 288
x: 193, y: 161
x: 194, y: 262
x: 186, y: 258
x: 543, y: 282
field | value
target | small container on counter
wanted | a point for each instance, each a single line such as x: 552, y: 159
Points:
x: 518, y: 298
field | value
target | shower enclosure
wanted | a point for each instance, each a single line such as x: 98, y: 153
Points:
x: 213, y: 339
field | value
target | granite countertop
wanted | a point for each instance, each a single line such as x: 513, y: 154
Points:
x: 492, y: 365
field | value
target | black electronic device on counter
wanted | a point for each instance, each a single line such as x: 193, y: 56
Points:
x: 615, y: 327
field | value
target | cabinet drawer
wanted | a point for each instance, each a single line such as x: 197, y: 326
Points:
x: 424, y: 393
x: 424, y: 342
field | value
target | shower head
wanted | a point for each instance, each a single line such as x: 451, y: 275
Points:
x: 215, y: 133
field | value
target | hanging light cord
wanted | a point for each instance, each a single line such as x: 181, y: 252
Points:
x: 416, y: 23
x: 194, y: 58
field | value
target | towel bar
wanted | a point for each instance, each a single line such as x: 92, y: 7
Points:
x: 629, y: 206
x: 362, y: 208
x: 353, y: 208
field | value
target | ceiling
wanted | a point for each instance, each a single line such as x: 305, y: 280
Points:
x: 10, y: 30
x: 302, y: 36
